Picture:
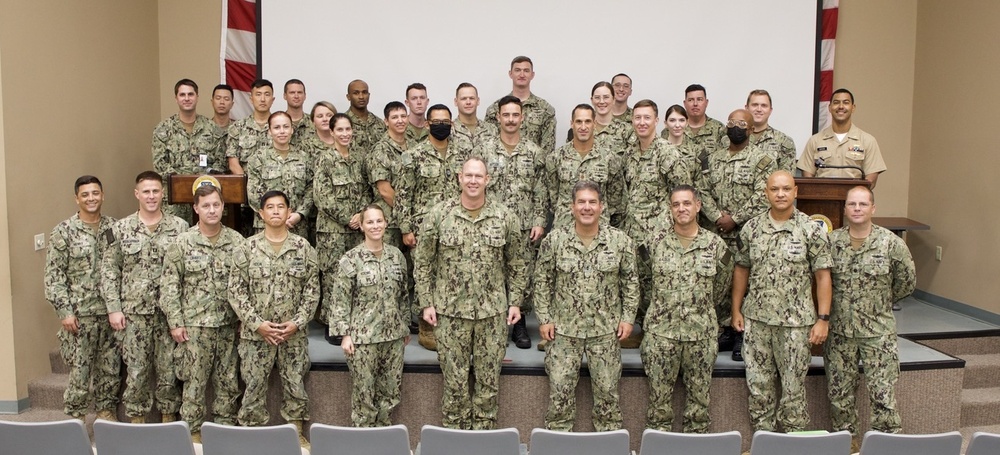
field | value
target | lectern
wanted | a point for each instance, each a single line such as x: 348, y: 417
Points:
x: 234, y: 192
x: 825, y: 196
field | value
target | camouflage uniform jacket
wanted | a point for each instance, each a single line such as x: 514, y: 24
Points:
x: 779, y: 145
x: 302, y: 129
x: 177, y: 152
x: 133, y: 263
x: 470, y: 269
x: 426, y: 180
x: 368, y: 131
x: 369, y: 296
x: 340, y: 189
x: 264, y: 286
x: 585, y: 291
x: 566, y: 167
x: 782, y: 261
x: 292, y: 174
x: 246, y: 137
x: 687, y: 283
x: 417, y: 134
x: 709, y: 137
x: 517, y: 179
x: 469, y: 140
x: 620, y: 137
x: 866, y: 282
x: 625, y: 117
x: 385, y: 162
x: 193, y: 289
x: 313, y: 146
x: 735, y: 184
x: 538, y: 124
x: 649, y: 177
x: 695, y: 164
x: 73, y: 268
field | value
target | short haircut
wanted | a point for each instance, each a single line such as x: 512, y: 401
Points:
x: 393, y: 106
x: 843, y: 90
x: 478, y: 158
x: 148, y: 175
x: 372, y: 207
x: 586, y: 107
x: 206, y: 190
x: 695, y: 88
x: 588, y: 185
x: 225, y: 87
x: 522, y: 59
x: 871, y: 194
x: 466, y: 85
x: 676, y: 108
x: 626, y: 76
x: 647, y: 103
x: 438, y: 107
x: 509, y: 99
x: 294, y: 81
x: 339, y: 116
x: 414, y: 86
x: 760, y: 92
x: 277, y: 114
x: 273, y: 193
x: 86, y: 180
x: 187, y: 82
x: 325, y: 104
x: 684, y: 187
x: 602, y: 84
x: 261, y: 83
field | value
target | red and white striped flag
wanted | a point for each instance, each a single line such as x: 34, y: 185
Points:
x: 239, y: 51
x: 828, y: 32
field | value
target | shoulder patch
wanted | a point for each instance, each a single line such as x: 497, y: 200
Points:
x: 703, y: 159
x: 763, y: 163
x: 109, y: 236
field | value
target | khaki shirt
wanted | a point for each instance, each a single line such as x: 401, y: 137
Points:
x: 73, y: 267
x: 858, y: 149
x: 369, y: 296
x: 132, y: 265
x: 193, y: 289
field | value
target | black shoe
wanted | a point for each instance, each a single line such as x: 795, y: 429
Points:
x: 334, y: 340
x: 726, y: 339
x: 738, y: 347
x: 414, y: 328
x: 519, y: 335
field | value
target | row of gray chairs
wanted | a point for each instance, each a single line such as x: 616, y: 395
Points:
x: 69, y: 437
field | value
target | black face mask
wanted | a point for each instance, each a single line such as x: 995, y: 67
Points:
x: 440, y: 131
x: 736, y: 134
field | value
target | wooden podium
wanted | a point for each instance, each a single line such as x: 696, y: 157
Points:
x: 825, y: 196
x: 234, y: 192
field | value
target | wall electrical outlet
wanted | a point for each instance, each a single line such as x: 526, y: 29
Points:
x: 39, y: 242
x: 937, y: 253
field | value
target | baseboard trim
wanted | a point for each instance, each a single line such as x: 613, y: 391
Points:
x: 958, y: 307
x: 15, y: 407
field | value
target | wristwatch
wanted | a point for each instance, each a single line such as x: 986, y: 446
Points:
x: 823, y: 317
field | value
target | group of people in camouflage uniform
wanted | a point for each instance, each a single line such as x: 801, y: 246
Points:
x: 467, y: 225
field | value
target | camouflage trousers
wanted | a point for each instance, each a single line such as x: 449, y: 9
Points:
x: 330, y: 247
x: 879, y: 358
x: 663, y: 358
x: 644, y: 266
x: 376, y: 376
x: 94, y: 360
x: 148, y: 351
x: 530, y: 254
x: 476, y: 345
x: 724, y: 307
x: 209, y: 355
x: 257, y: 359
x: 563, y: 357
x: 773, y: 355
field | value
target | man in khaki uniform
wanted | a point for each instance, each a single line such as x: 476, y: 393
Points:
x: 193, y: 296
x: 842, y: 144
x: 469, y: 274
x: 539, y: 117
x: 586, y: 294
x: 72, y: 283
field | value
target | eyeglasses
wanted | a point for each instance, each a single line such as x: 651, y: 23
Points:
x: 739, y: 123
x: 439, y: 122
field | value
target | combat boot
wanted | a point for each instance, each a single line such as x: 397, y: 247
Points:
x: 519, y: 335
x: 167, y: 418
x: 302, y: 436
x: 107, y: 414
x: 137, y: 419
x: 738, y: 347
x: 426, y: 337
x: 726, y: 339
x: 542, y: 344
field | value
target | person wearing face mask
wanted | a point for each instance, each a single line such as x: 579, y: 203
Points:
x: 282, y: 166
x: 428, y: 176
x: 732, y: 189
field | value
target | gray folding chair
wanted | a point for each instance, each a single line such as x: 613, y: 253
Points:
x: 983, y: 444
x: 656, y: 442
x: 227, y: 440
x: 445, y: 441
x: 546, y: 442
x: 117, y: 438
x: 64, y: 437
x: 333, y: 440
x: 877, y: 443
x: 770, y: 443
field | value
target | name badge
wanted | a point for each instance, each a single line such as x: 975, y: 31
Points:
x: 203, y: 160
x: 821, y: 149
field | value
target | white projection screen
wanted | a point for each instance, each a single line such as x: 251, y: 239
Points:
x: 729, y: 46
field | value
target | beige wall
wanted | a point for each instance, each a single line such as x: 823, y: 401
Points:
x: 955, y: 170
x: 190, y: 37
x: 8, y: 375
x: 79, y: 96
